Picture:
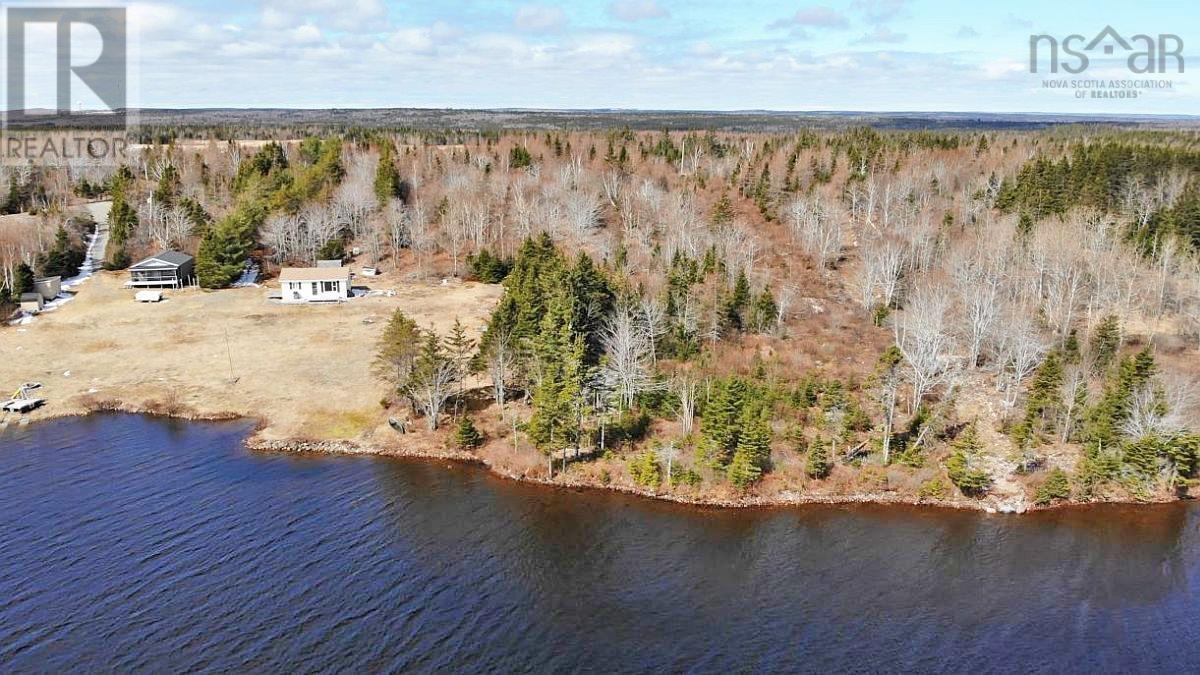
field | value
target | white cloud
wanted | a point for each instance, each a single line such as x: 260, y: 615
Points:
x: 539, y: 18
x: 423, y: 40
x: 636, y: 10
x: 880, y: 11
x: 150, y: 19
x: 881, y: 34
x: 341, y: 15
x: 306, y: 34
x: 606, y: 45
x: 1002, y: 68
x: 277, y: 19
x: 814, y: 16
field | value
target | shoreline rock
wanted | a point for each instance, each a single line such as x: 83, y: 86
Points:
x: 256, y: 443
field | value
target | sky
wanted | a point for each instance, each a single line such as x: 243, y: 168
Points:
x: 872, y: 55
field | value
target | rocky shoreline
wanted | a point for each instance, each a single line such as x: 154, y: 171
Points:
x: 783, y: 499
x: 787, y: 498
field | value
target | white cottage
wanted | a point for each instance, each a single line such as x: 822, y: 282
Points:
x: 314, y: 284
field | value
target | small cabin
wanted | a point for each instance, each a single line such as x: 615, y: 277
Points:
x: 314, y: 284
x: 169, y: 269
x: 48, y: 287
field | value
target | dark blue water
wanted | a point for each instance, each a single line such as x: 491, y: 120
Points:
x: 138, y: 544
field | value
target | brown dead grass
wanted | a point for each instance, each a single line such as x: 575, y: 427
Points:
x: 304, y: 371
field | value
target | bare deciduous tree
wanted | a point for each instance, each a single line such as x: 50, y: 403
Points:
x: 817, y: 229
x: 923, y: 339
x: 627, y: 371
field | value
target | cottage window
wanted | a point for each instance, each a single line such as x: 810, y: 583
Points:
x: 329, y: 286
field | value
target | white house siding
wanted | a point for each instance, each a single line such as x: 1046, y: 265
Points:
x: 329, y: 290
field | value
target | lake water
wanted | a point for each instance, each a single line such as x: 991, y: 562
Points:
x: 141, y: 544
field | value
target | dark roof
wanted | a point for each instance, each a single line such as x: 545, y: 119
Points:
x: 174, y: 258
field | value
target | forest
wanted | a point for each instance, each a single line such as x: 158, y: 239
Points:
x: 944, y: 315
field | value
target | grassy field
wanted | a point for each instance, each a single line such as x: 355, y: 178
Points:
x: 303, y: 370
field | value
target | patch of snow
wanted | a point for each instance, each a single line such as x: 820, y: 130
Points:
x: 249, y: 277
x: 93, y: 260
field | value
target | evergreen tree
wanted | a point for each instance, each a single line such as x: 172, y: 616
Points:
x: 387, y: 178
x: 722, y: 213
x: 753, y: 452
x: 560, y: 351
x: 1043, y: 403
x: 122, y: 219
x: 818, y: 465
x: 1105, y: 342
x: 488, y: 268
x: 592, y: 299
x: 519, y: 158
x: 1102, y: 428
x: 971, y: 481
x: 466, y: 436
x: 645, y: 469
x: 397, y: 350
x: 24, y: 280
x: 14, y: 202
x: 765, y: 312
x: 167, y: 188
x: 334, y: 249
x: 735, y: 303
x: 1056, y: 487
x: 719, y: 425
x: 209, y: 272
x: 223, y: 250
x: 62, y: 259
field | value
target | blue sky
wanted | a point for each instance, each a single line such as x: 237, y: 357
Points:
x: 740, y: 54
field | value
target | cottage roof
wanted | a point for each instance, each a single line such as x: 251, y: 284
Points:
x: 166, y: 258
x: 314, y: 274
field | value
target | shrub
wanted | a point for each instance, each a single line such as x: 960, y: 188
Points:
x: 519, y: 158
x: 334, y: 249
x: 488, y: 268
x: 645, y: 470
x: 684, y: 477
x: 932, y: 490
x: 466, y: 436
x: 1055, y: 488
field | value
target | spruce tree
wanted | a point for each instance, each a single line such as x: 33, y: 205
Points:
x: 971, y: 481
x: 753, y: 452
x: 387, y: 178
x: 719, y: 421
x: 1056, y: 487
x: 1105, y: 342
x: 397, y: 350
x: 466, y: 436
x: 560, y: 352
x: 24, y: 280
x: 645, y: 469
x: 765, y: 312
x: 1043, y: 402
x: 735, y: 304
x: 818, y: 465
